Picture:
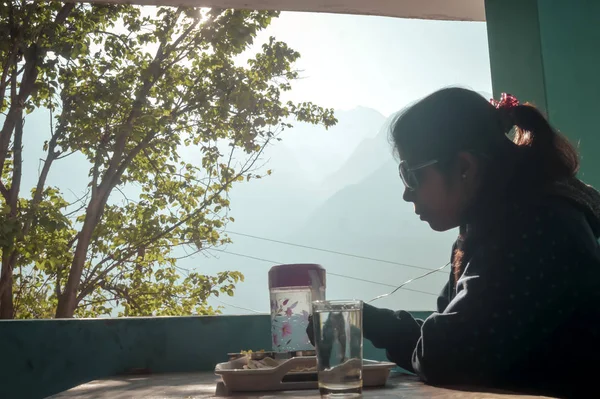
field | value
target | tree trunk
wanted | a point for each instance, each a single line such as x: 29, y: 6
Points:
x: 13, y: 121
x: 7, y: 306
x: 9, y: 252
x: 67, y: 302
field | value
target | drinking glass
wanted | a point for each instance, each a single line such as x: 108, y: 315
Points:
x: 339, y: 347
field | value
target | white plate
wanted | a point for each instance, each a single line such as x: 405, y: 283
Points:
x: 238, y: 379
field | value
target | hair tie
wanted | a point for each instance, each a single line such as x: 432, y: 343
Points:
x: 507, y: 101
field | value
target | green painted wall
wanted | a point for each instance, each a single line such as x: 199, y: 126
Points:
x: 43, y: 357
x: 570, y: 32
x: 546, y: 52
x: 515, y: 51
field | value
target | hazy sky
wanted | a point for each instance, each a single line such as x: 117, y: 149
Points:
x: 378, y: 62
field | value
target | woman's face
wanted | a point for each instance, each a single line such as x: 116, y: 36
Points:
x: 439, y: 198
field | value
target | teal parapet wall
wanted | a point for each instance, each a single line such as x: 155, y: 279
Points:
x: 44, y: 357
x: 547, y: 52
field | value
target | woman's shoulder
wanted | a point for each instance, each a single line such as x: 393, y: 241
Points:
x: 547, y: 237
x: 543, y: 230
x: 553, y: 215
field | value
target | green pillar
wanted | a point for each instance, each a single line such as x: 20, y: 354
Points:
x: 547, y: 52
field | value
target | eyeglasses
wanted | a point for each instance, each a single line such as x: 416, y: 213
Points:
x: 408, y: 176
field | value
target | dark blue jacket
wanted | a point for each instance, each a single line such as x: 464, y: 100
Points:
x: 524, y: 314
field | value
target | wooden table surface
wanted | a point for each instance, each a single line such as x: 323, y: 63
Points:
x: 207, y: 385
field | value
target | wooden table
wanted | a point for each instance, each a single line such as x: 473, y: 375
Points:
x: 207, y: 385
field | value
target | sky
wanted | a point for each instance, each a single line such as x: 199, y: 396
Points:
x: 380, y: 62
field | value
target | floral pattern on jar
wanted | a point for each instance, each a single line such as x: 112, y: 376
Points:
x: 289, y: 319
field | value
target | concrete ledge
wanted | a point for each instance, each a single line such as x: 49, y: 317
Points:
x: 44, y: 357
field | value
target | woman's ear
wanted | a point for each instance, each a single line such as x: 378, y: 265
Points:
x: 468, y: 167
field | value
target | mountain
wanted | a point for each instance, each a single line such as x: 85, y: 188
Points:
x: 369, y: 155
x: 306, y: 156
x: 323, y: 152
x: 371, y: 217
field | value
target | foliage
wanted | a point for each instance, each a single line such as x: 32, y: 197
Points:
x: 129, y: 89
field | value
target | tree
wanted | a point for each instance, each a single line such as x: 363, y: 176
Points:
x: 130, y: 89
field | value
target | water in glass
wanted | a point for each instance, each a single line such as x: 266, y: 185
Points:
x: 339, y: 345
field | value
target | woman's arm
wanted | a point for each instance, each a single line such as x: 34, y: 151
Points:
x: 396, y: 332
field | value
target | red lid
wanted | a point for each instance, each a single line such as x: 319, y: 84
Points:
x: 297, y: 275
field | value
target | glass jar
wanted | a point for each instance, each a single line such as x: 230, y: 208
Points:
x: 292, y: 290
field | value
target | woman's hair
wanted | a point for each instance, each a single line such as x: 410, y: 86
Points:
x: 456, y: 119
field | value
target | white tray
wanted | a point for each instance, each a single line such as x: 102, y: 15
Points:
x: 238, y: 379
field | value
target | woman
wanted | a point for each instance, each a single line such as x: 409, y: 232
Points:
x: 520, y: 309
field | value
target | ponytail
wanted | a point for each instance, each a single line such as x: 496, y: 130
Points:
x: 547, y: 151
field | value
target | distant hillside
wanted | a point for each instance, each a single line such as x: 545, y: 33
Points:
x: 323, y: 152
x: 370, y: 155
x: 371, y: 217
x: 281, y: 203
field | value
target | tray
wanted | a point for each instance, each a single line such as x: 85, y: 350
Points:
x: 280, y: 378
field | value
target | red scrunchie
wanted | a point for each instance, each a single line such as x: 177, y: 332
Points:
x: 506, y: 101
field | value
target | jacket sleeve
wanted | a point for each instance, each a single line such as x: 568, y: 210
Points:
x: 396, y: 332
x: 514, y: 292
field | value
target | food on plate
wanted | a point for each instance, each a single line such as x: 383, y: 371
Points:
x: 249, y: 352
x: 258, y: 355
x: 269, y: 362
